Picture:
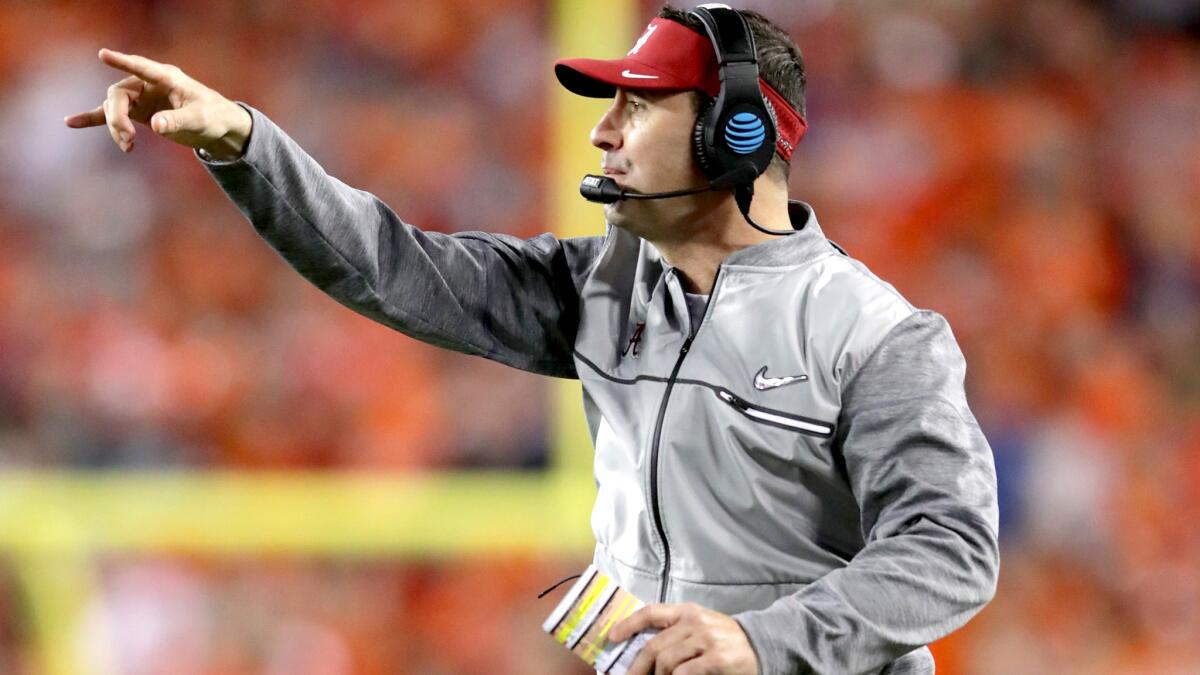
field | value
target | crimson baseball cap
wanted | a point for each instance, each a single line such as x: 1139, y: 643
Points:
x: 669, y: 56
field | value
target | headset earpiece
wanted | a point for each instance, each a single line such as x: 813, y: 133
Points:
x: 704, y: 157
x: 736, y: 128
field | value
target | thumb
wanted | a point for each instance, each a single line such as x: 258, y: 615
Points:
x: 175, y: 121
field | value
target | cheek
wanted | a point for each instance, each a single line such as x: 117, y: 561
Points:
x: 665, y: 151
x: 682, y: 154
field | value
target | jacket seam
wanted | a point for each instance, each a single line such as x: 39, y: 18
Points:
x: 750, y: 268
x: 742, y: 583
x: 716, y: 389
x: 613, y: 378
x: 856, y: 265
x: 608, y: 239
x: 620, y: 561
x: 875, y: 349
x: 887, y: 288
x: 610, y: 554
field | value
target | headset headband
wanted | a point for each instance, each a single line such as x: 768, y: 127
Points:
x: 729, y: 32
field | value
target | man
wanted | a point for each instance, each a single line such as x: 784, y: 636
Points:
x: 786, y: 463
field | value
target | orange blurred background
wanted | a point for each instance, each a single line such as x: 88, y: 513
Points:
x: 1028, y: 168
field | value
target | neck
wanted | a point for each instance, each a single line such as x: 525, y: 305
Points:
x: 721, y: 230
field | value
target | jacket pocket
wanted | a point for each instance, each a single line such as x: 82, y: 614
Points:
x: 776, y: 418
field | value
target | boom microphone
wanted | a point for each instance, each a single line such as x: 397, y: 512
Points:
x: 604, y: 190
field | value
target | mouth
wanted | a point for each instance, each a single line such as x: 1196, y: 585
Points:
x: 616, y: 175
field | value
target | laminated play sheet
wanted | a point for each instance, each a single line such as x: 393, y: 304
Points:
x: 586, y: 614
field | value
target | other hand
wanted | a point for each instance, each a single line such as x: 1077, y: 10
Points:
x: 692, y: 640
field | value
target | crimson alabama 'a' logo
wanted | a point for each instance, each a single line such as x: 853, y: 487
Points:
x: 635, y: 340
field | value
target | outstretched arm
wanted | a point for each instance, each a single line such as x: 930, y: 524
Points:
x: 508, y: 299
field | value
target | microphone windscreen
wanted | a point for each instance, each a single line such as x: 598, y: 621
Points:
x: 601, y: 189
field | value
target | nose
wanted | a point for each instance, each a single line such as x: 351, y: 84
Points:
x: 606, y: 135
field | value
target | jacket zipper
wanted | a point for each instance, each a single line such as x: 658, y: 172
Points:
x: 655, y: 509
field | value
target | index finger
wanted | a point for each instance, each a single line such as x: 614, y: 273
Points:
x: 650, y: 616
x: 150, y: 71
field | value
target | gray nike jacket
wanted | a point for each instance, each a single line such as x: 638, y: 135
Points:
x: 805, y: 460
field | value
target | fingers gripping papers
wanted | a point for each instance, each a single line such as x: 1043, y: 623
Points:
x: 584, y: 617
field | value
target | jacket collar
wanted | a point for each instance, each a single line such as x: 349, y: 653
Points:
x: 789, y: 250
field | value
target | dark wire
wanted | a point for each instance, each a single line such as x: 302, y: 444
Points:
x: 743, y: 194
x: 543, y: 593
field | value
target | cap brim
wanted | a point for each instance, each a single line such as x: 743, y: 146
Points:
x: 597, y: 78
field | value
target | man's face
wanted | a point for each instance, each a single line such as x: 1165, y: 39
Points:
x: 647, y: 142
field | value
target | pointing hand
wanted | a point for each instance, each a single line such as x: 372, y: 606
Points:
x: 175, y: 106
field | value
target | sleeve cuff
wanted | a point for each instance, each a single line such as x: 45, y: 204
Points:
x: 203, y: 155
x: 756, y: 640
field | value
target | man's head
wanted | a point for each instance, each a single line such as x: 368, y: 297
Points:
x: 658, y: 88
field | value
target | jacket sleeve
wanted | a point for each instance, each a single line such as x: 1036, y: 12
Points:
x: 925, y: 482
x: 508, y: 299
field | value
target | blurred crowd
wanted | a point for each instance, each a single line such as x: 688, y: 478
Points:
x: 1029, y: 168
x: 145, y: 323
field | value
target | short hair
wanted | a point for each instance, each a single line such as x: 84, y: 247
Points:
x: 780, y: 63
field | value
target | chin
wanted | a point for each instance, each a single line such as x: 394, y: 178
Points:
x: 614, y: 213
x: 642, y: 219
x: 617, y: 214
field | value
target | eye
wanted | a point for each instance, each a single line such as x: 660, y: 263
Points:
x: 637, y: 105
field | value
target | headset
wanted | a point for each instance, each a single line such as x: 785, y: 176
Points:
x: 735, y: 133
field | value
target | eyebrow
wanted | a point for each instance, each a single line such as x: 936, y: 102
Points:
x: 650, y: 95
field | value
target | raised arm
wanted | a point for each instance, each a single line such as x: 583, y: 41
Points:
x: 497, y: 296
x: 508, y: 299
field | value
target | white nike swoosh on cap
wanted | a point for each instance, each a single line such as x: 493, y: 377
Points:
x: 637, y: 76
